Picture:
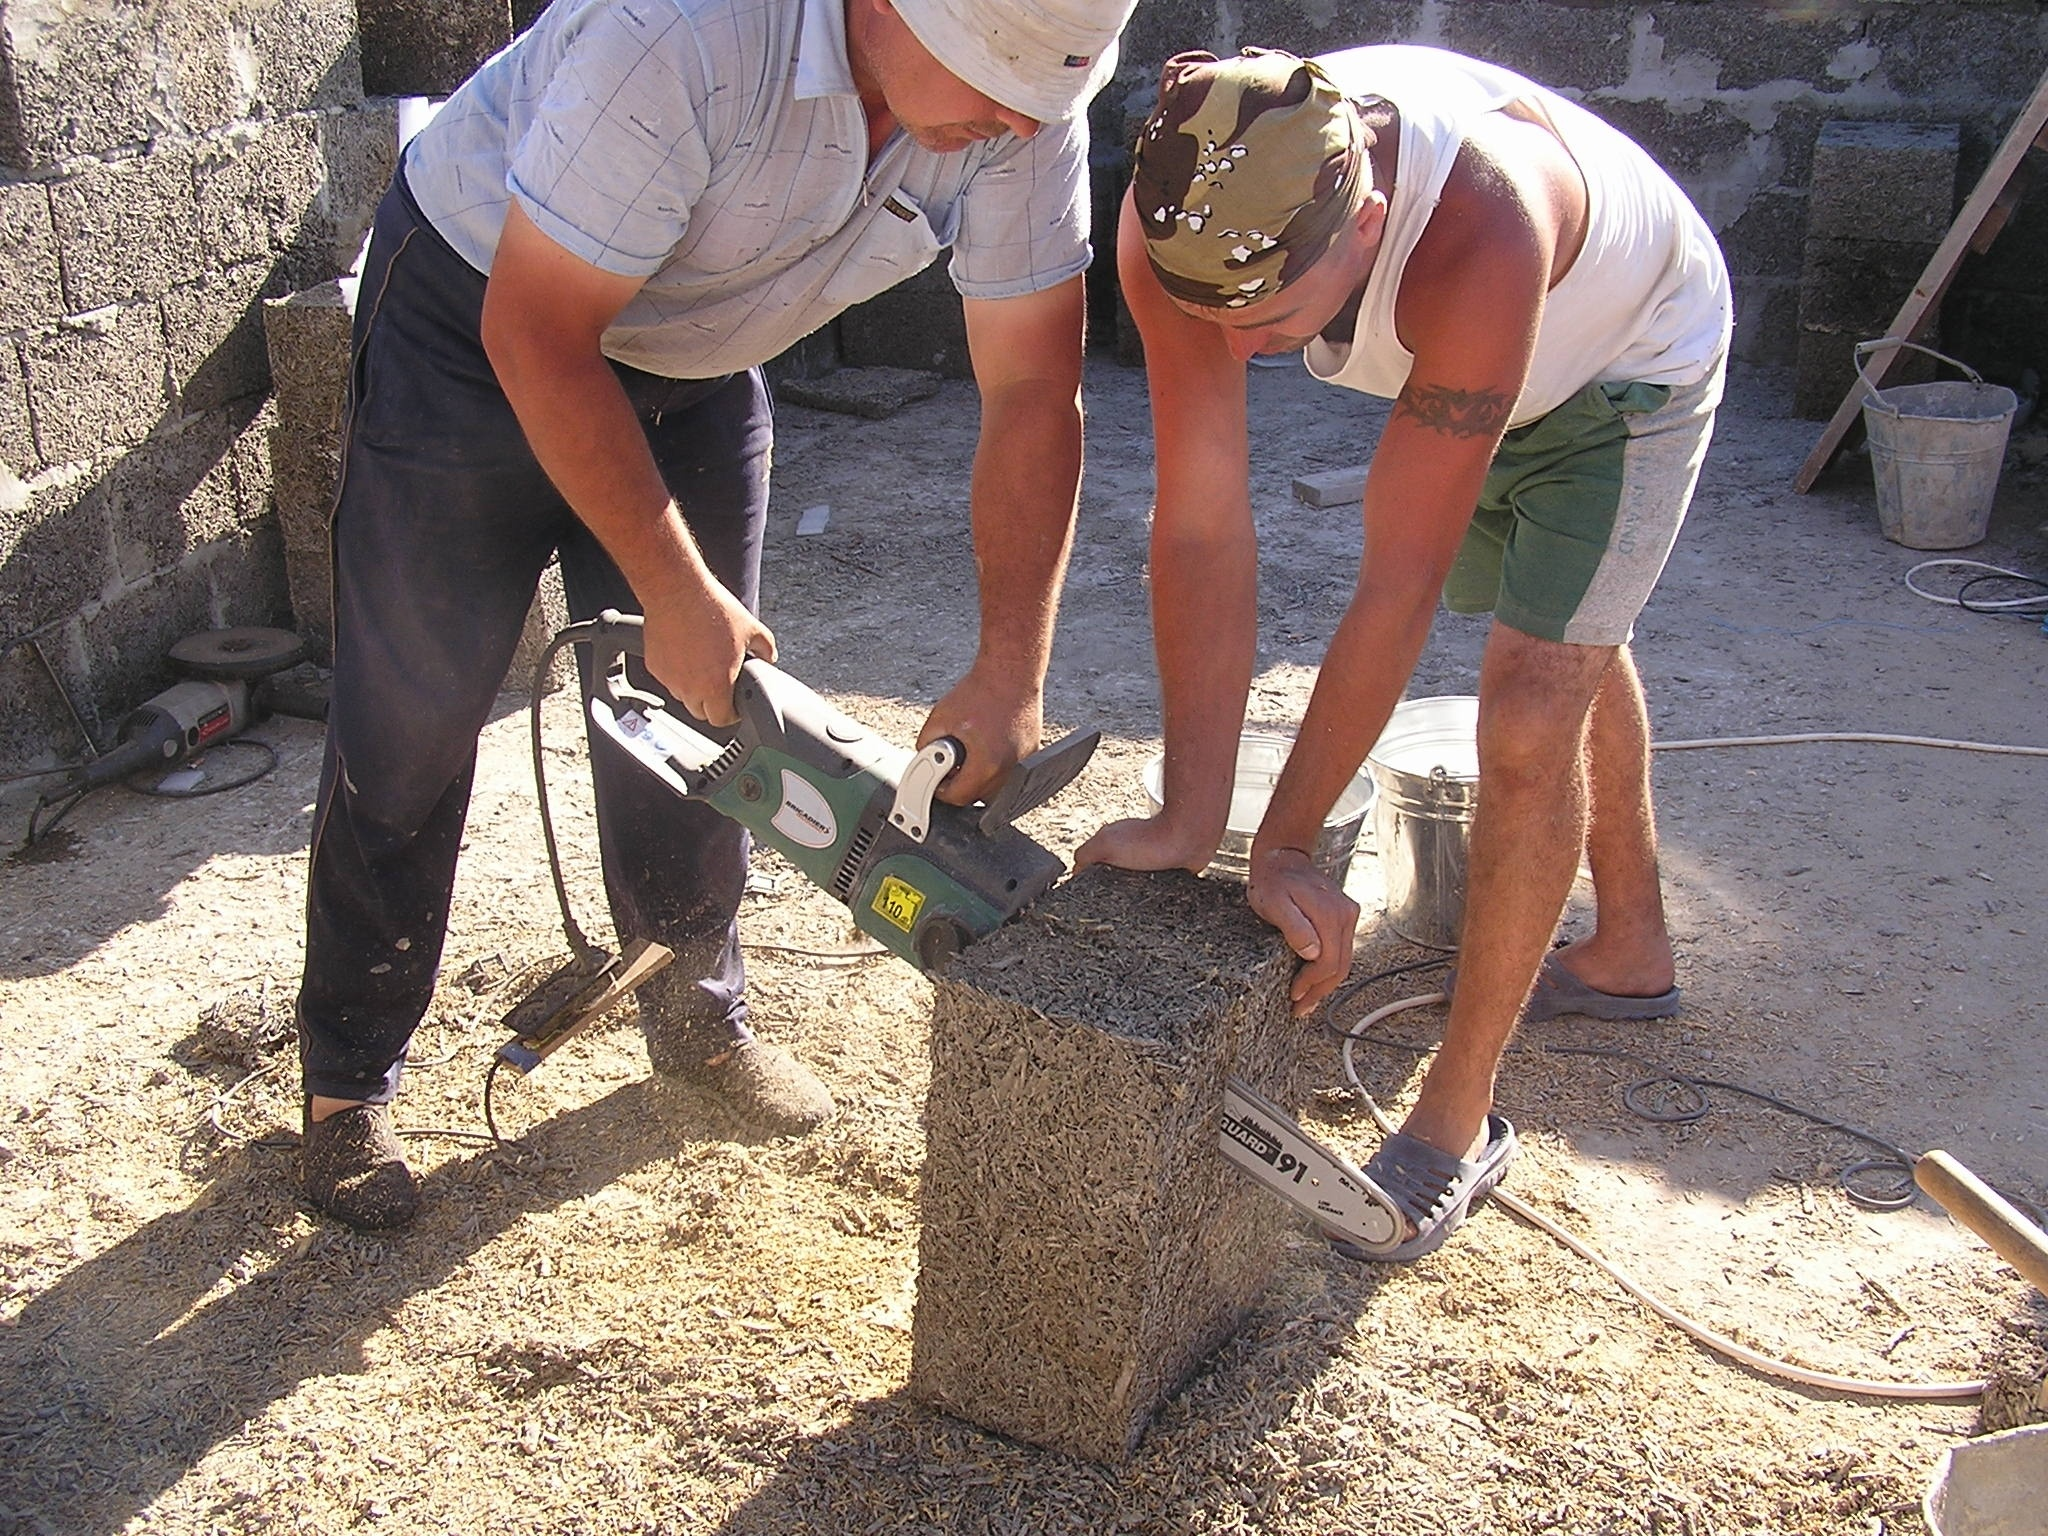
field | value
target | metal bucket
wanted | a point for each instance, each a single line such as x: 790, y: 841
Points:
x: 1990, y: 1486
x: 1935, y: 452
x: 1260, y: 757
x: 1426, y: 766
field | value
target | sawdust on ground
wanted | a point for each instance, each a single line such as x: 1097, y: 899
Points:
x: 625, y: 1319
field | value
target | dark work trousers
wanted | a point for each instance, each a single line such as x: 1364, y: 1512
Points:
x: 442, y: 526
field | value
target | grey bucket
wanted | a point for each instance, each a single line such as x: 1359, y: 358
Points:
x: 1990, y: 1486
x: 1426, y: 768
x: 1935, y: 452
x: 1260, y: 757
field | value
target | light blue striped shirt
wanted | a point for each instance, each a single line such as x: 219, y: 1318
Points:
x: 717, y: 148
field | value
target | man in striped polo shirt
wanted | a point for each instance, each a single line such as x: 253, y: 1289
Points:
x: 571, y: 285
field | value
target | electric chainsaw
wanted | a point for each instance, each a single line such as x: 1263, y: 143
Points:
x: 856, y: 814
x: 859, y: 817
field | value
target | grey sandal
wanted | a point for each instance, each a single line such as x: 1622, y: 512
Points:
x: 1433, y: 1189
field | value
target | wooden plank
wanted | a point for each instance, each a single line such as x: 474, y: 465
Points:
x: 2032, y: 124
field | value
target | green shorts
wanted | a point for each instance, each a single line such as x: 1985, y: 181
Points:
x: 1580, y: 509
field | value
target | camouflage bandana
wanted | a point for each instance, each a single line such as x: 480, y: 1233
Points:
x: 1245, y: 175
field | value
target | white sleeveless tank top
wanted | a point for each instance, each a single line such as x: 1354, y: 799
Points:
x: 1646, y: 300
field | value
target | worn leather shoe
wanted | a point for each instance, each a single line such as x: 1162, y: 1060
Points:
x: 762, y: 1085
x: 351, y: 1166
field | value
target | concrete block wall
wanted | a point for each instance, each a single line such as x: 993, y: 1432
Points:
x: 1730, y: 95
x: 165, y: 166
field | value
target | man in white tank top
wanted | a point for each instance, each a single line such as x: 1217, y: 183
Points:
x: 1550, y: 316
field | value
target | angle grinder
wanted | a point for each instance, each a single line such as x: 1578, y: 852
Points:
x: 214, y: 701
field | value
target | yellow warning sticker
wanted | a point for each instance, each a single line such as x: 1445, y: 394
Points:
x: 899, y: 902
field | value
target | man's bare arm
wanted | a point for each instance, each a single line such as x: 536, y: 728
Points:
x: 1204, y: 571
x: 544, y: 314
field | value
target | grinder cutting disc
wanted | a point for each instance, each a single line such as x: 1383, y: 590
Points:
x: 250, y: 651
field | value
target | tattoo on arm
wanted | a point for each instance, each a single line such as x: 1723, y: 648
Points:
x: 1456, y: 412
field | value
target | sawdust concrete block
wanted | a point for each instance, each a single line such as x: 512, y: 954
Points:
x: 17, y: 432
x: 96, y: 381
x: 307, y: 337
x: 70, y: 87
x: 307, y: 340
x: 228, y: 61
x: 1884, y: 181
x: 30, y: 294
x: 213, y: 332
x: 1858, y: 285
x: 1085, y: 1245
x: 428, y: 47
x: 255, y: 189
x: 125, y: 230
x: 919, y: 323
x: 873, y: 393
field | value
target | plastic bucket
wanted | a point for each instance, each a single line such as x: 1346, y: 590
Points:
x: 1990, y: 1486
x: 1260, y: 757
x: 1935, y: 452
x: 1426, y: 767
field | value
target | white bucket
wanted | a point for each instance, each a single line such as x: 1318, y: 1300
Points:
x: 1260, y: 757
x: 1426, y: 767
x: 1991, y: 1486
x: 1935, y: 452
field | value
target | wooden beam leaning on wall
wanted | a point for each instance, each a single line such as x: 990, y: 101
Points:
x: 1997, y: 192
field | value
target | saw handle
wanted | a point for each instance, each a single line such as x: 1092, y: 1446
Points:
x: 614, y: 636
x: 1988, y: 1214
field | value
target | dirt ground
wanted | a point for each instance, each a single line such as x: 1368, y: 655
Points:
x: 626, y: 1320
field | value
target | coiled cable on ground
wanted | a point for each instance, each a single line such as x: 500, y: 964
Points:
x: 1720, y: 1343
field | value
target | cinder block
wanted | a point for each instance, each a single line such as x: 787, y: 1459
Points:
x: 79, y: 86
x: 1331, y: 487
x: 256, y: 189
x: 30, y: 294
x: 1886, y: 182
x: 124, y: 229
x: 213, y: 333
x: 919, y: 323
x: 96, y: 382
x: 1084, y: 1243
x: 428, y: 47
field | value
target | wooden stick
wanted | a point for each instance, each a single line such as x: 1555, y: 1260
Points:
x: 1988, y: 1214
